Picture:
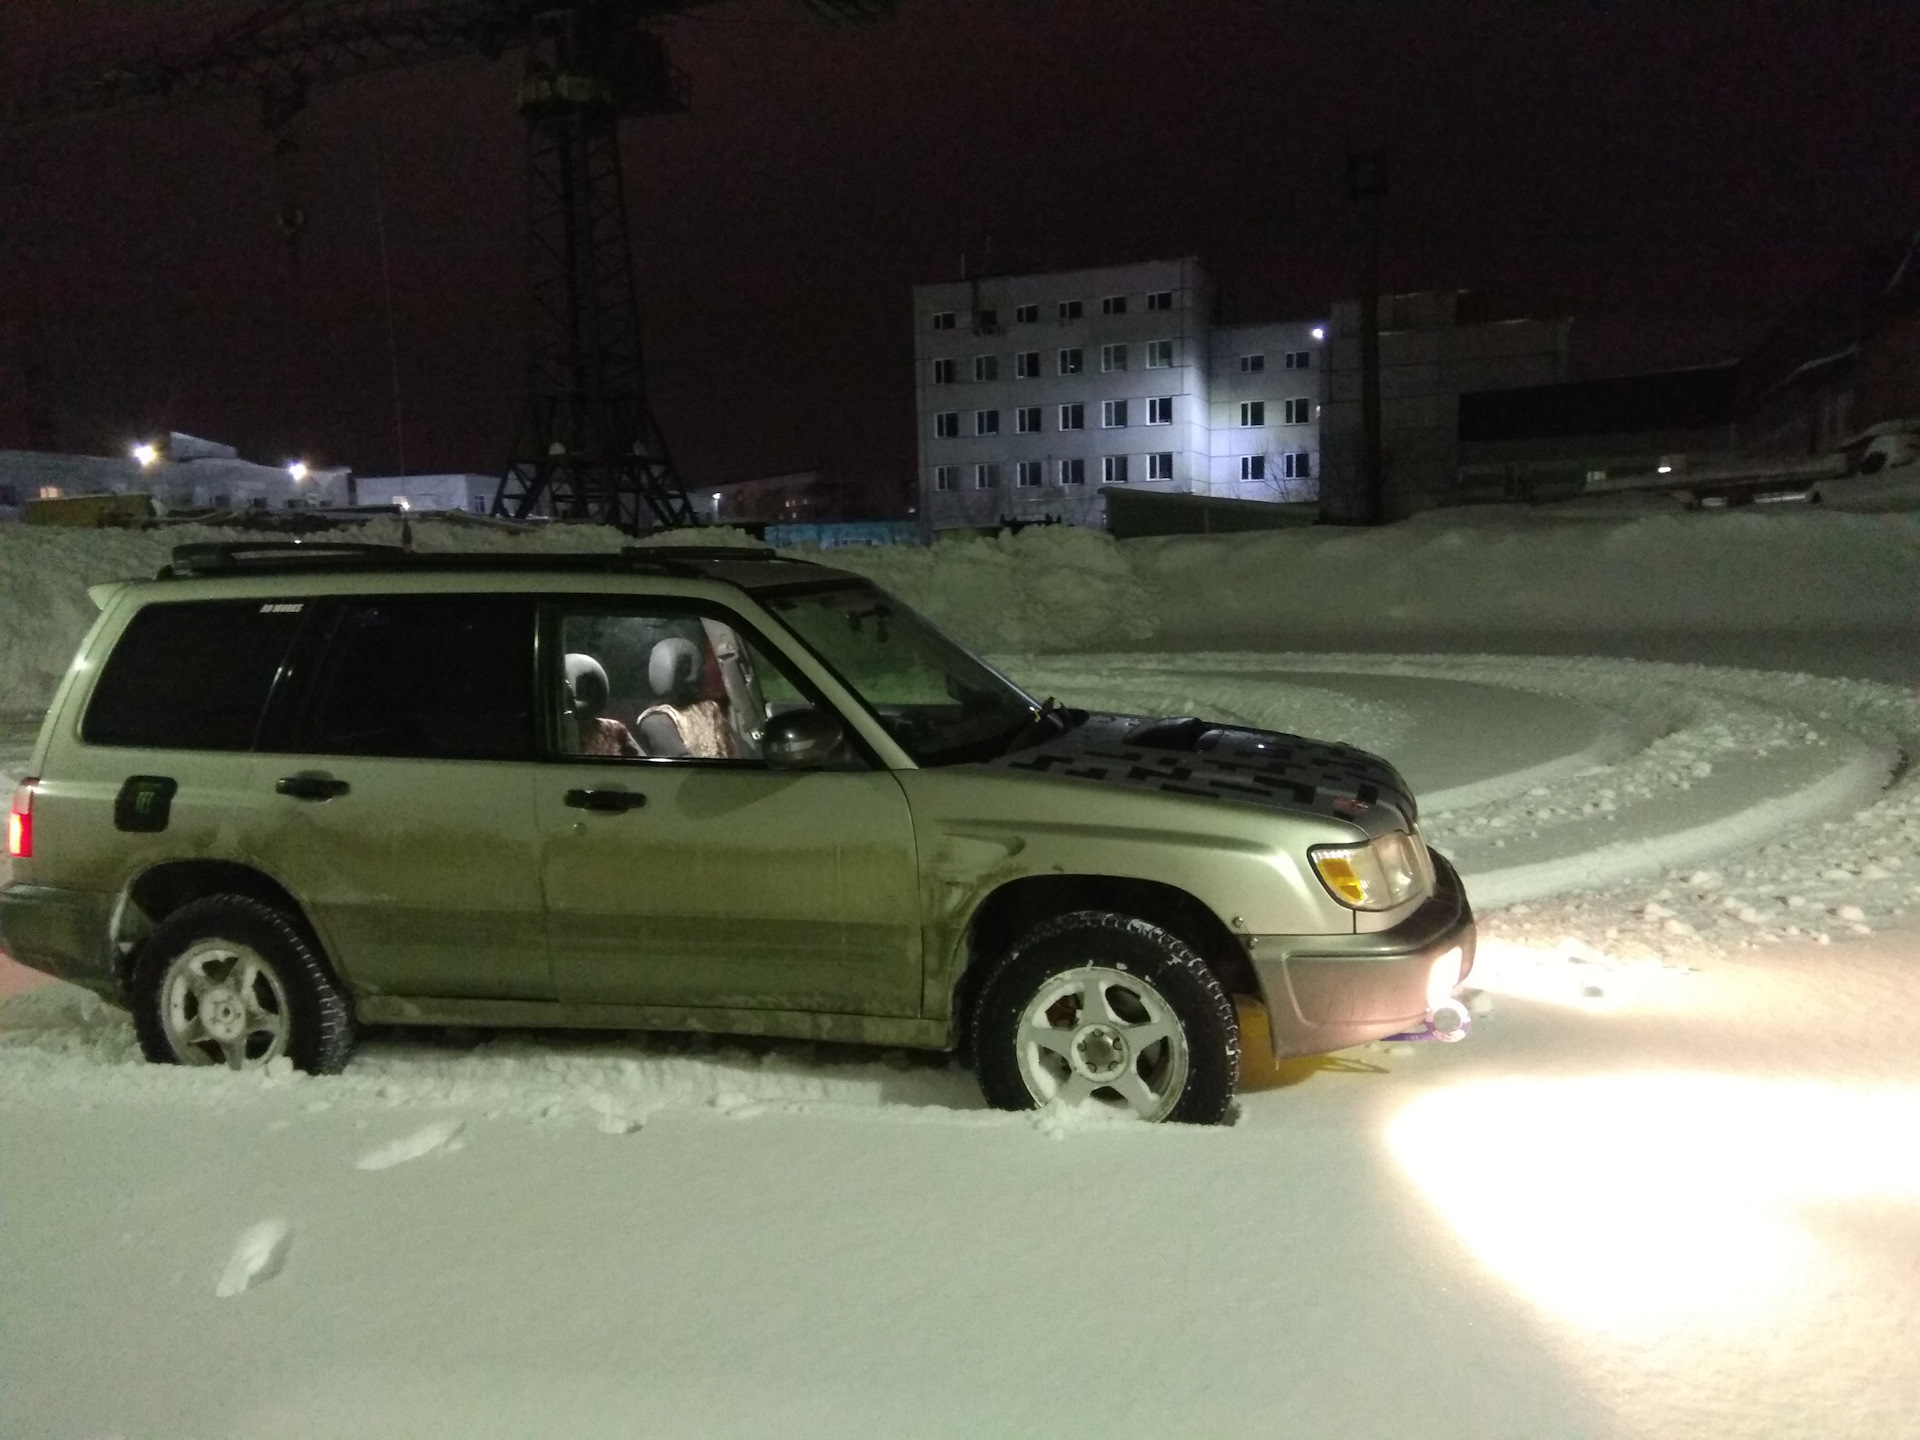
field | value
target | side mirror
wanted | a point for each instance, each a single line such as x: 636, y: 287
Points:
x: 799, y: 739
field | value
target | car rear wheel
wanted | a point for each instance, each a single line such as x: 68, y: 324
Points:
x: 227, y: 980
x: 1102, y: 1009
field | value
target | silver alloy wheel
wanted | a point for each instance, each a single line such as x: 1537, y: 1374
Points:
x: 221, y: 1004
x: 1102, y: 1034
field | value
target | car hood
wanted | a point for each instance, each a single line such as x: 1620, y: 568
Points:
x: 1223, y: 762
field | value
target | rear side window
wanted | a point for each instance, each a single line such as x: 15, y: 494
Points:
x: 191, y: 675
x: 447, y: 677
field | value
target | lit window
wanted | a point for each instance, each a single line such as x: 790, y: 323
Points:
x: 1159, y: 354
x: 1026, y: 314
x: 986, y: 422
x: 943, y: 320
x: 1297, y: 465
x: 1113, y: 357
x: 49, y: 492
x: 1299, y: 359
x: 1071, y: 310
x: 1160, y: 465
x: 1113, y: 469
x: 1113, y: 414
x: 1253, y: 467
x: 946, y: 477
x: 1160, y: 410
x: 1114, y: 305
x: 986, y: 475
x: 1253, y: 412
x: 1073, y: 472
x: 1253, y: 364
x: 1299, y: 412
x: 946, y: 424
x: 986, y: 367
x: 945, y: 372
x: 1160, y: 300
x: 1071, y: 361
x: 1030, y: 474
x: 1026, y: 365
x: 1073, y: 417
x: 1026, y: 420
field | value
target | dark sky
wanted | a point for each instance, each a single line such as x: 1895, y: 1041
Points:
x: 1675, y: 175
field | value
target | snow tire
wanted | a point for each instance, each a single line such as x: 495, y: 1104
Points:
x: 1078, y: 943
x: 317, y: 1031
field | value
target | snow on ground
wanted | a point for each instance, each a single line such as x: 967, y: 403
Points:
x: 1664, y: 1189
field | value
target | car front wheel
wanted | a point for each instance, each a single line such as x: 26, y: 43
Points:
x: 227, y: 980
x: 1104, y: 1009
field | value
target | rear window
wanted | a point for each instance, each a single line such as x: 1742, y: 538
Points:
x: 192, y: 675
x: 446, y: 677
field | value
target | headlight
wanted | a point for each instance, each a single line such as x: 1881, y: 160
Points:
x: 1388, y: 871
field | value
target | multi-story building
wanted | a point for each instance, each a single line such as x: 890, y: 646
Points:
x: 1035, y: 391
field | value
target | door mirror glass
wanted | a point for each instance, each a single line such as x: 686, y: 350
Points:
x: 800, y: 739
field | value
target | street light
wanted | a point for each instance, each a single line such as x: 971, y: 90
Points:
x: 146, y: 452
x: 298, y: 470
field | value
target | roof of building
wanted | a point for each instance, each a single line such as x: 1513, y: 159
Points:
x: 1691, y: 399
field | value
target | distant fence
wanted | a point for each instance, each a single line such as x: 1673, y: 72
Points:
x: 833, y: 534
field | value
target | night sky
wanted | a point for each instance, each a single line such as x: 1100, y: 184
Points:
x: 1675, y: 175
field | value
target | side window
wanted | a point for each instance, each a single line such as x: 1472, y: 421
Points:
x: 666, y: 685
x: 443, y: 677
x: 192, y: 675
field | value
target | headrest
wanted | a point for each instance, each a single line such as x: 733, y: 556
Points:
x: 587, y: 684
x: 673, y: 669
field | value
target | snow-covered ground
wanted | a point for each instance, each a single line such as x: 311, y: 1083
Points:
x: 1668, y: 1187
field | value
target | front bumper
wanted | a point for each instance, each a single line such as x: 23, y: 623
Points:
x: 1326, y: 992
x: 63, y: 933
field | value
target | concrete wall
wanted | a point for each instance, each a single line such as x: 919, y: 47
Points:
x: 1272, y: 385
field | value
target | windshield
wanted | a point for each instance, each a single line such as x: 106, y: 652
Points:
x: 940, y: 702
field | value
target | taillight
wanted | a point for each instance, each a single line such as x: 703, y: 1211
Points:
x: 20, y: 822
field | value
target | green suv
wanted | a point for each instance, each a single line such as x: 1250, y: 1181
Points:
x: 285, y: 791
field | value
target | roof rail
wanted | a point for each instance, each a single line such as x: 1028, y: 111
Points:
x: 210, y: 557
x: 259, y: 557
x: 700, y: 552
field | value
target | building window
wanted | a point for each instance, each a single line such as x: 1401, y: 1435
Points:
x: 1160, y: 465
x: 986, y: 475
x: 1297, y: 465
x: 945, y: 372
x: 1030, y: 474
x: 1299, y: 412
x: 947, y: 424
x: 1071, y: 361
x: 1253, y: 364
x: 1113, y: 357
x: 1114, y: 305
x: 985, y: 322
x: 1253, y: 412
x: 1027, y: 420
x: 1160, y: 410
x: 1071, y: 310
x: 986, y: 367
x: 1073, y: 472
x: 1025, y: 314
x: 1026, y: 365
x: 946, y: 477
x: 1073, y: 417
x: 1160, y: 300
x: 54, y: 492
x: 1253, y: 467
x: 1113, y: 469
x: 1299, y: 359
x: 1159, y: 354
x: 1113, y: 414
x: 943, y: 320
x: 986, y: 422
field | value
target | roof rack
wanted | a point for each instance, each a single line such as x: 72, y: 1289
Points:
x: 258, y: 557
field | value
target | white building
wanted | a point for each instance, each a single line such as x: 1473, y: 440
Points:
x: 181, y: 473
x: 471, y: 493
x: 1034, y: 391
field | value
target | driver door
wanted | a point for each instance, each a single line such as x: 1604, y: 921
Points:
x: 708, y: 879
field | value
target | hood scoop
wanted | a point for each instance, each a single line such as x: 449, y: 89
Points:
x: 1182, y: 735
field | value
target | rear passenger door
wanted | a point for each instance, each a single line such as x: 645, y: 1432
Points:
x: 402, y: 770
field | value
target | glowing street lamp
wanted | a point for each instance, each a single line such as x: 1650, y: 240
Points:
x: 298, y: 470
x: 1319, y: 332
x: 146, y: 452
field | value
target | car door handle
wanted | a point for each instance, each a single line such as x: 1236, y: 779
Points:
x: 609, y: 802
x: 309, y: 785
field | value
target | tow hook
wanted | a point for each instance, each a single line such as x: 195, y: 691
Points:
x: 1448, y: 1022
